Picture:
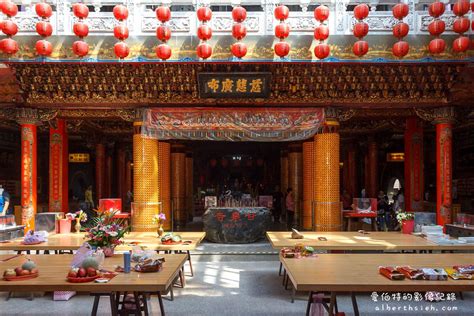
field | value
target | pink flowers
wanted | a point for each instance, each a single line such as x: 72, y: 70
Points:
x: 108, y: 232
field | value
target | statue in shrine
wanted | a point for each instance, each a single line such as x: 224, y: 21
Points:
x: 88, y: 198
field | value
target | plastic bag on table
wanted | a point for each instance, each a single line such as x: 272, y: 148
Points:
x: 83, y: 252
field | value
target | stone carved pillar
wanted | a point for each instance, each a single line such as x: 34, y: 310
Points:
x: 58, y: 168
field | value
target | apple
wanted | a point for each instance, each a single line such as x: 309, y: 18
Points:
x: 91, y: 272
x: 18, y: 271
x: 82, y: 273
x: 9, y: 273
x: 25, y: 272
x: 72, y: 274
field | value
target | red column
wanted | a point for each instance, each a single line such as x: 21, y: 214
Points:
x: 414, y: 178
x: 443, y: 172
x: 373, y: 170
x: 109, y: 175
x: 58, y: 168
x: 100, y: 171
x: 121, y: 169
x: 351, y: 171
x: 28, y: 176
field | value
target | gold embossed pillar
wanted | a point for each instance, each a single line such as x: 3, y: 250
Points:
x: 145, y: 180
x: 164, y: 152
x: 189, y: 185
x: 295, y: 177
x: 308, y: 184
x: 326, y: 174
x: 178, y: 184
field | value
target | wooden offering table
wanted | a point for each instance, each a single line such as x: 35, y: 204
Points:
x: 336, y: 273
x: 54, y: 269
x: 355, y: 241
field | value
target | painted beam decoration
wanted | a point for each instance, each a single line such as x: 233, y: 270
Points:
x: 191, y: 35
x: 234, y: 85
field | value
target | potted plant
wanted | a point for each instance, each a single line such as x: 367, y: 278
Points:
x: 107, y: 232
x: 159, y: 219
x: 81, y: 216
x: 407, y: 221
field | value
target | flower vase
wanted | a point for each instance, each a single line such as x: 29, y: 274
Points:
x: 160, y: 230
x: 408, y: 226
x: 108, y: 251
x: 77, y: 226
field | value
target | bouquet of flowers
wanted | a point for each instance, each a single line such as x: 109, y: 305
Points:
x: 159, y: 219
x: 81, y: 216
x: 108, y: 232
x: 405, y: 216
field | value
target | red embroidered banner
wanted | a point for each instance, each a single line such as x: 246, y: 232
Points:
x: 237, y: 124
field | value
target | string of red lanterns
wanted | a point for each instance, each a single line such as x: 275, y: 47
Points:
x: 400, y: 30
x: 121, y: 49
x: 461, y: 25
x: 80, y: 29
x: 239, y: 31
x: 436, y: 28
x: 163, y: 32
x: 282, y: 31
x: 44, y: 29
x: 204, y: 32
x: 9, y: 27
x: 360, y: 30
x: 321, y: 32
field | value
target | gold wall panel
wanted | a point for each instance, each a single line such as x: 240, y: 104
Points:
x: 308, y: 184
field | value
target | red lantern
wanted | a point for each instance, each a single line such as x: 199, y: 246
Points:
x: 400, y: 30
x: 461, y: 7
x: 282, y: 12
x: 461, y: 44
x: 437, y: 46
x: 282, y: 30
x: 163, y: 51
x: 80, y: 10
x: 321, y: 13
x: 10, y: 9
x: 9, y: 46
x: 361, y: 29
x: 400, y: 49
x: 44, y: 28
x: 361, y: 11
x: 163, y: 33
x: 282, y: 49
x: 44, y: 48
x: 204, y: 14
x: 360, y: 48
x: 43, y: 10
x: 9, y: 27
x: 121, y: 50
x: 436, y: 27
x: 120, y: 12
x: 163, y: 14
x: 204, y: 50
x: 80, y: 29
x: 400, y: 10
x: 321, y: 32
x: 436, y: 9
x: 239, y: 50
x: 321, y: 51
x: 204, y: 32
x: 461, y: 25
x: 80, y: 48
x: 121, y: 32
x: 239, y: 31
x: 239, y: 14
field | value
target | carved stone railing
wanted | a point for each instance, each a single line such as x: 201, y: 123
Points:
x: 142, y: 20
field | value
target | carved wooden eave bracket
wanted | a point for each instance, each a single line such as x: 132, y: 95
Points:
x: 437, y: 115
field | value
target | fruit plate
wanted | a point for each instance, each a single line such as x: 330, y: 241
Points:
x: 82, y: 280
x: 21, y: 277
x: 172, y: 242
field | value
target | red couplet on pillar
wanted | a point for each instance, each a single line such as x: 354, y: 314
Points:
x: 443, y: 173
x: 58, y: 168
x: 28, y: 176
x: 414, y: 177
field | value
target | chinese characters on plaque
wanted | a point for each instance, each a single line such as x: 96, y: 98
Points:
x: 234, y: 85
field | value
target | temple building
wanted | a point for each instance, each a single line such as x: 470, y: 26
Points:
x: 163, y: 109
